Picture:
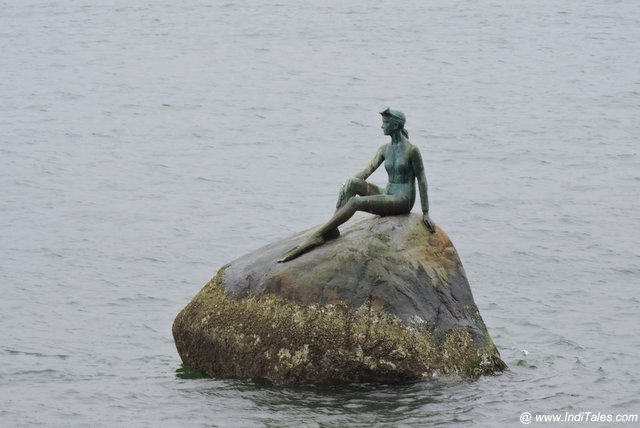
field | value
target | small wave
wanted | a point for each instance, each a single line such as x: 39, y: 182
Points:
x: 153, y: 259
x: 34, y: 354
x: 628, y: 270
x: 524, y: 363
x: 36, y: 372
x: 188, y: 373
x: 566, y: 342
x: 209, y: 180
x: 482, y: 204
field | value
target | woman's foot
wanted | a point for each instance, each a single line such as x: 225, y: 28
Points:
x: 312, y: 242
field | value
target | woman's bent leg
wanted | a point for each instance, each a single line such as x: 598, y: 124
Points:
x: 326, y: 231
x: 356, y: 186
x: 376, y: 204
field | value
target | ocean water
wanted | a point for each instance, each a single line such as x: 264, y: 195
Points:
x: 145, y: 144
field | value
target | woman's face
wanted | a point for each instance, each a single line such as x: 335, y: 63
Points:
x: 388, y: 125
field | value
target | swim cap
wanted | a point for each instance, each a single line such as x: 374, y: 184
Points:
x: 396, y: 114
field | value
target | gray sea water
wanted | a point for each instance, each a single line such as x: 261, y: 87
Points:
x: 145, y: 144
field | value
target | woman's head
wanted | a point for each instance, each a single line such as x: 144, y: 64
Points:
x: 393, y: 120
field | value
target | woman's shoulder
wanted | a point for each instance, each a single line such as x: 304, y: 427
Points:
x: 412, y: 148
x: 413, y: 151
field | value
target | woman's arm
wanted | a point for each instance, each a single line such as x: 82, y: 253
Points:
x: 418, y: 170
x: 373, y: 165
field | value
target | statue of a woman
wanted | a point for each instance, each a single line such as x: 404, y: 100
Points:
x: 403, y: 163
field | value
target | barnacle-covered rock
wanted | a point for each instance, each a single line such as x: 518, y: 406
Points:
x: 385, y: 302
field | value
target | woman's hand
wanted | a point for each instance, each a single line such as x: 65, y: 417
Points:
x: 429, y: 223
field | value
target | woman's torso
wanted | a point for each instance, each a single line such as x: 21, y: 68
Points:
x: 398, y: 165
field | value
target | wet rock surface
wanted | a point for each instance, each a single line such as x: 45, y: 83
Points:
x: 386, y: 301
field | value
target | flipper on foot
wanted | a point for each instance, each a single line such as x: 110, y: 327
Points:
x: 312, y: 242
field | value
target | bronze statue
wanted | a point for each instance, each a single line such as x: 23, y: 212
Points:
x: 403, y: 163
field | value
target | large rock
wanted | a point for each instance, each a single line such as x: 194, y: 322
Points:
x: 386, y: 301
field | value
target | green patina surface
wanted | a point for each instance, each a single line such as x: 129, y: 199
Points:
x: 285, y: 342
